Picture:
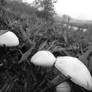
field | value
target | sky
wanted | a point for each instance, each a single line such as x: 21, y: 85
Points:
x: 79, y: 9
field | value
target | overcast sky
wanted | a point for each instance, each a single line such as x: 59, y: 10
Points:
x: 80, y: 9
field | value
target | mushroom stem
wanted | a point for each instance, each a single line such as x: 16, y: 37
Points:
x: 57, y: 80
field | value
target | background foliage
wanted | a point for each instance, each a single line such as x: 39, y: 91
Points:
x: 38, y: 30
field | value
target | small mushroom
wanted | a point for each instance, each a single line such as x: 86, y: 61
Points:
x: 75, y: 28
x: 85, y: 29
x: 63, y: 87
x: 9, y: 39
x: 43, y: 58
x: 78, y: 72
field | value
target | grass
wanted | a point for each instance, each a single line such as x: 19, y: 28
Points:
x: 17, y: 73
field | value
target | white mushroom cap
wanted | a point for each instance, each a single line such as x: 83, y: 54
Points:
x: 9, y: 39
x: 74, y: 68
x: 63, y: 87
x: 43, y: 58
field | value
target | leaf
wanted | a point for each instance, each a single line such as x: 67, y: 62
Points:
x: 43, y: 45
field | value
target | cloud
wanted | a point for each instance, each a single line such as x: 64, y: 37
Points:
x: 80, y: 9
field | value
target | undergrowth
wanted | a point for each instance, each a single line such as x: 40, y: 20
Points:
x: 17, y: 73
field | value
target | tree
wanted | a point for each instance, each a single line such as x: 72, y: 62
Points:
x: 47, y: 6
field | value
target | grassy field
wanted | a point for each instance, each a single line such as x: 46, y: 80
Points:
x: 36, y: 33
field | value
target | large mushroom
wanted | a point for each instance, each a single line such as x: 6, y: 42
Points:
x: 9, y: 39
x: 63, y: 87
x: 78, y: 72
x: 43, y: 58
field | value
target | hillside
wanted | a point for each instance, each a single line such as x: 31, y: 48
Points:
x: 15, y: 0
x: 75, y: 22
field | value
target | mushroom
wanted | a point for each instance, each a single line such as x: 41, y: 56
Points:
x: 9, y: 39
x: 75, y: 28
x: 63, y: 87
x: 85, y: 29
x: 76, y: 70
x: 43, y: 58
